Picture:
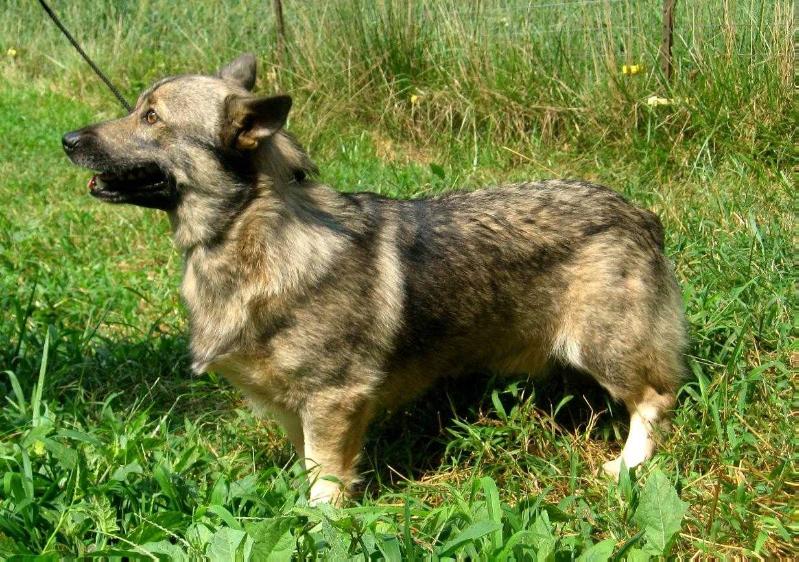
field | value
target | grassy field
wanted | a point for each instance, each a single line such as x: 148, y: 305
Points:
x: 109, y: 446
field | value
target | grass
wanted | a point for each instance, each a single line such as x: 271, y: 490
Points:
x: 108, y: 445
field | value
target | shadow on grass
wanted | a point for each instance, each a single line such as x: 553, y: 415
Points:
x: 413, y: 442
x: 154, y: 374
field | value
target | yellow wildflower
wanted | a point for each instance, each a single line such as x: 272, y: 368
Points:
x: 38, y: 448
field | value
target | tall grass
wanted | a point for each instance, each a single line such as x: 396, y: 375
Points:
x: 522, y: 74
x: 516, y: 73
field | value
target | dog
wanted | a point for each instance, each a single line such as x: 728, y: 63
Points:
x: 325, y: 308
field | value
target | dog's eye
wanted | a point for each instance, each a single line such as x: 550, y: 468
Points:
x: 151, y: 117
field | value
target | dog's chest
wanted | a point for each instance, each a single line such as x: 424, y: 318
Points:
x: 219, y: 311
x: 225, y: 315
x: 259, y: 379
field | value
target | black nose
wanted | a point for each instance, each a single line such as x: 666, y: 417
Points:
x: 71, y: 141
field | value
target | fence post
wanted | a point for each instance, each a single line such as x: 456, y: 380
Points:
x: 665, y: 46
x: 280, y: 27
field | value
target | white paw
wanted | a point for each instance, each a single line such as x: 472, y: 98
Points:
x: 612, y: 468
x: 325, y: 491
x: 315, y: 501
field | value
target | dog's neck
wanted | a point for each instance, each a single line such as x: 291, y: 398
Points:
x: 280, y: 245
x: 208, y: 208
x: 203, y: 221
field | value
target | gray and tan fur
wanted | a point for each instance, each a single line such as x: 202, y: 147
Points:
x: 325, y: 308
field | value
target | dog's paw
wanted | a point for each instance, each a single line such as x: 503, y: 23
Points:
x: 612, y: 468
x: 325, y: 491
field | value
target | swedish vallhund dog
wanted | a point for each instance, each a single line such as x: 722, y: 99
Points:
x: 325, y: 308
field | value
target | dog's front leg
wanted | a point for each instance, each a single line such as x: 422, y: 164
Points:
x: 292, y: 425
x: 333, y: 427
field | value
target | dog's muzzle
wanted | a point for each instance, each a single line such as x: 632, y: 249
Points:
x: 120, y: 181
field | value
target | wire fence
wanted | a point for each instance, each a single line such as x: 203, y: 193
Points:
x: 578, y: 38
x: 544, y: 17
x: 634, y: 27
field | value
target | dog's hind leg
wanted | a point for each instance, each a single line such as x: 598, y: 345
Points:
x: 334, y: 426
x: 645, y: 382
x: 624, y: 325
x: 646, y: 415
x: 645, y: 379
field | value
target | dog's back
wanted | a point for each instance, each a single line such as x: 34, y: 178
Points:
x: 512, y: 277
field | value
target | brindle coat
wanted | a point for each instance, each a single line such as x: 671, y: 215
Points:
x: 324, y: 307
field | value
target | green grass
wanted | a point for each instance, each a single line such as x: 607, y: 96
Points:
x: 108, y: 444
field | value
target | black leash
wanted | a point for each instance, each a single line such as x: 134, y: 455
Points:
x: 75, y: 44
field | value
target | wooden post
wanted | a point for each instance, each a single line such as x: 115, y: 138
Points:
x: 280, y: 27
x: 668, y: 32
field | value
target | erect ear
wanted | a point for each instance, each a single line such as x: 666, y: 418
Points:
x: 251, y: 120
x: 240, y: 71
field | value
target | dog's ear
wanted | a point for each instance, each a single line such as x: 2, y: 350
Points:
x: 240, y: 71
x: 250, y: 120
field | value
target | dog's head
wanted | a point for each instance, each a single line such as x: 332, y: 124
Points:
x: 189, y: 137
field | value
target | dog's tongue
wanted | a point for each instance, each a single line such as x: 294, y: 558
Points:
x: 92, y: 182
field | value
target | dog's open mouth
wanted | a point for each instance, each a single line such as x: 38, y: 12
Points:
x: 122, y: 185
x: 146, y: 186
